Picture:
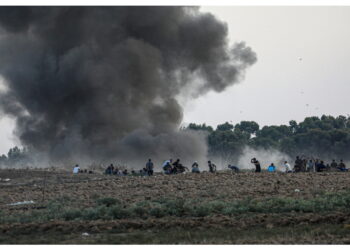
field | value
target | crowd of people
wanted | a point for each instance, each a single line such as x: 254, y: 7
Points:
x: 304, y: 164
x: 170, y: 167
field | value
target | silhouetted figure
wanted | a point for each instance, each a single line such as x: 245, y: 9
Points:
x: 334, y: 165
x: 212, y: 167
x: 298, y: 164
x: 149, y: 167
x: 321, y: 167
x: 342, y: 166
x: 257, y: 165
x: 233, y: 168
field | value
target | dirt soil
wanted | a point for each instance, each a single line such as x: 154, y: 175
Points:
x: 42, y: 186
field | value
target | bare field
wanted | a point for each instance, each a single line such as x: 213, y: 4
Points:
x: 221, y: 208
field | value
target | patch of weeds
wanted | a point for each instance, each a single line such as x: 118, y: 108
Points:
x: 107, y: 201
x: 118, y: 212
x: 72, y: 214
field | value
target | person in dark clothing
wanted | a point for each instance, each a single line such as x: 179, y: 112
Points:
x: 181, y: 168
x: 320, y: 167
x: 149, y: 167
x: 342, y: 166
x: 233, y: 168
x: 334, y: 165
x: 257, y: 165
x: 109, y: 169
x: 212, y: 167
x: 298, y: 164
x: 176, y: 163
x: 167, y: 168
x: 176, y: 166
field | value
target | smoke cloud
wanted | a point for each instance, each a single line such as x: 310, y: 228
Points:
x: 265, y: 157
x: 104, y: 82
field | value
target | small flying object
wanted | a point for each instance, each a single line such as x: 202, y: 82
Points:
x: 300, y: 59
x: 307, y: 105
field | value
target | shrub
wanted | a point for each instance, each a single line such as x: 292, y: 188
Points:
x: 158, y: 211
x: 108, y: 201
x: 72, y: 214
x: 118, y: 212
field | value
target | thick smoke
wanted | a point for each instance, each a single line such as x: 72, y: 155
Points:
x: 104, y: 82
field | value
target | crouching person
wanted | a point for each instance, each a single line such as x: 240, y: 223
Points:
x: 195, y: 168
x: 271, y: 168
x: 167, y: 168
x: 233, y: 168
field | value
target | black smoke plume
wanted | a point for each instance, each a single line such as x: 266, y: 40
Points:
x: 104, y: 82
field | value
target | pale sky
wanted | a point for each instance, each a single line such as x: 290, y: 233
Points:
x: 302, y: 68
x: 303, y: 58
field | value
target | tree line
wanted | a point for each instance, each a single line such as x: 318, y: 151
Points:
x: 324, y: 137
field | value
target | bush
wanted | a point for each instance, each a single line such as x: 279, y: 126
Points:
x: 108, y: 201
x: 139, y: 211
x: 118, y: 212
x: 72, y: 214
x: 158, y: 211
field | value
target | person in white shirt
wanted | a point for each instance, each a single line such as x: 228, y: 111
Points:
x: 76, y: 169
x: 287, y: 166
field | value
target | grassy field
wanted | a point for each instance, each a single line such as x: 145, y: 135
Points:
x: 222, y: 208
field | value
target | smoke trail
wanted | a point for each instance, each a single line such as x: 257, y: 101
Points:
x: 104, y: 81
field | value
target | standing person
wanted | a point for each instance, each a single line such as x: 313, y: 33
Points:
x: 297, y: 164
x: 212, y: 167
x: 149, y: 167
x: 195, y: 168
x: 310, y: 166
x: 287, y: 167
x: 257, y: 165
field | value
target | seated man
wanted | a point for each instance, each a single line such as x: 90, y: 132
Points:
x: 76, y: 169
x: 287, y: 167
x: 167, y: 168
x: 271, y: 168
x: 342, y: 166
x: 195, y: 168
x: 320, y: 167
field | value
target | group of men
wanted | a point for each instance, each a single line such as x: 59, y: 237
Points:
x: 317, y: 165
x: 111, y: 170
x: 301, y: 164
x: 170, y: 167
x: 304, y: 165
x: 176, y: 167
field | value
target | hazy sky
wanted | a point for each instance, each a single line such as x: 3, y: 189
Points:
x: 302, y: 68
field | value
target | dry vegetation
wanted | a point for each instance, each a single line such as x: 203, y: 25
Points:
x: 186, y: 208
